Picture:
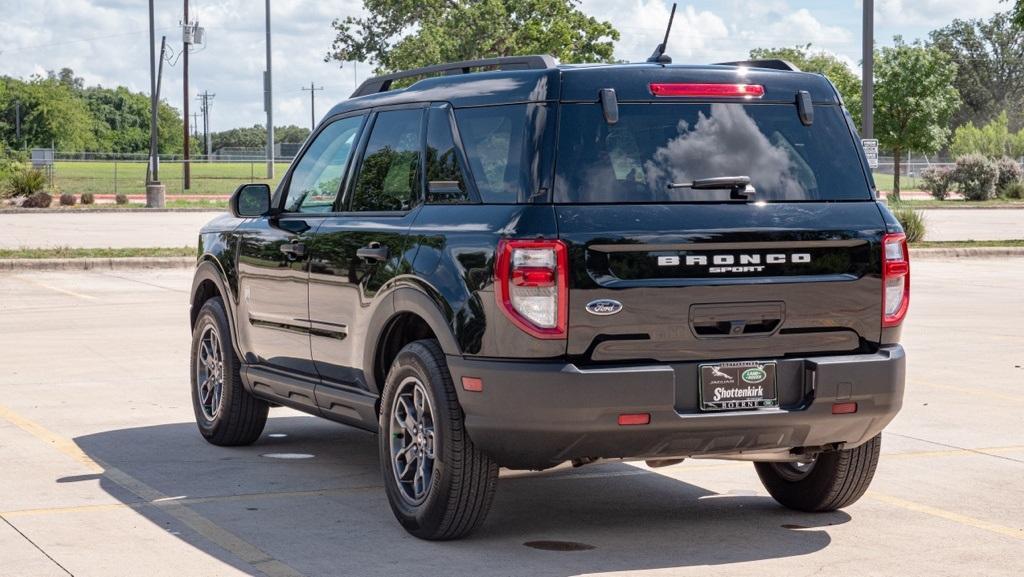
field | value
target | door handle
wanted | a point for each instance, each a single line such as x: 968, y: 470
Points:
x: 294, y: 250
x: 373, y: 251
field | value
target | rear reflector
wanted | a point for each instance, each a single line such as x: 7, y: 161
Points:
x: 472, y: 384
x: 844, y: 408
x: 635, y: 419
x: 707, y: 90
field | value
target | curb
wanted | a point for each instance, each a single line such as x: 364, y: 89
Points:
x: 79, y: 264
x: 967, y: 252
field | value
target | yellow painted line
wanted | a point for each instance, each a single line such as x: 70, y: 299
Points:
x: 60, y: 290
x: 209, y: 530
x: 948, y: 515
x: 971, y: 391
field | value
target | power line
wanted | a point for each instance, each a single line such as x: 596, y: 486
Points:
x: 312, y: 104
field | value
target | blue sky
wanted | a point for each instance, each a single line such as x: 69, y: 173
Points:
x: 105, y: 40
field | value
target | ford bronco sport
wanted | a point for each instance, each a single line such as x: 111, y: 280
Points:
x: 515, y: 263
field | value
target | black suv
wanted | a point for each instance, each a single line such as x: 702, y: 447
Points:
x: 515, y: 263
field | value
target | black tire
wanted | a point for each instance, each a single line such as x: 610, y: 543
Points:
x: 238, y: 418
x: 835, y: 480
x: 461, y: 484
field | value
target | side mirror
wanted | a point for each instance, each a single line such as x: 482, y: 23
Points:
x: 250, y: 200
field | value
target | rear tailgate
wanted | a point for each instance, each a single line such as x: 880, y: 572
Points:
x: 722, y: 281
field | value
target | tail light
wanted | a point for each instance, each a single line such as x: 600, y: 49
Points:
x: 707, y: 90
x: 532, y: 285
x: 895, y: 279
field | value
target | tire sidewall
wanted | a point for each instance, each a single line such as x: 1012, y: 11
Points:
x: 213, y: 314
x: 418, y: 361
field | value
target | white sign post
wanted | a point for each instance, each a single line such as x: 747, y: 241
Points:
x: 871, y: 151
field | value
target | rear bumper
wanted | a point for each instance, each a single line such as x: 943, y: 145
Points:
x: 538, y: 414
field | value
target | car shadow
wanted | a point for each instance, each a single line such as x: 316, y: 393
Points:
x: 308, y: 494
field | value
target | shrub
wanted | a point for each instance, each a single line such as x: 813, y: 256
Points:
x: 25, y: 182
x: 912, y: 222
x: 976, y: 176
x: 88, y: 198
x: 938, y: 181
x: 38, y: 200
x: 121, y: 199
x: 1009, y: 173
x: 1014, y: 190
x: 67, y: 199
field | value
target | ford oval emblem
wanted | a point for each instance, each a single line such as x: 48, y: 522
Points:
x: 604, y: 307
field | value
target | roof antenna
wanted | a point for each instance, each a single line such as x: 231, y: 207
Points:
x: 659, y: 55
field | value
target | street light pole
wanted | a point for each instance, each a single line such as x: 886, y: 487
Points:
x: 268, y: 102
x: 186, y: 166
x: 868, y: 77
x: 154, y: 165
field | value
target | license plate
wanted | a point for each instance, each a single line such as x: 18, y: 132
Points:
x: 733, y: 386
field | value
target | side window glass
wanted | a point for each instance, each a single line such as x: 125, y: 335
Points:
x: 316, y: 180
x: 388, y: 177
x: 445, y: 182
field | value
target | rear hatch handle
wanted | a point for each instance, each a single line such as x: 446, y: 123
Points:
x: 722, y: 320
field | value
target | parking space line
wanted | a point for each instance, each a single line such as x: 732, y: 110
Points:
x: 57, y: 289
x: 948, y: 515
x: 972, y: 392
x: 209, y: 530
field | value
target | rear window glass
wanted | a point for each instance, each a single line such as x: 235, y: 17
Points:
x: 655, y: 145
x: 502, y: 147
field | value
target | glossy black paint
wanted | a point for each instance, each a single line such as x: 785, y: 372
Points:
x: 310, y: 324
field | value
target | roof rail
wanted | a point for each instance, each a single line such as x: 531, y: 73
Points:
x: 775, y: 64
x: 532, y: 62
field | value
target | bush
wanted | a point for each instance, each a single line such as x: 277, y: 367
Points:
x: 25, y: 182
x: 938, y: 181
x: 912, y: 222
x: 1009, y: 173
x: 67, y: 199
x: 976, y: 176
x: 88, y: 198
x: 121, y: 199
x: 38, y: 200
x: 1014, y: 190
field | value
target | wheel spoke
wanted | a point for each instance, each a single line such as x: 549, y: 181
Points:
x: 413, y: 439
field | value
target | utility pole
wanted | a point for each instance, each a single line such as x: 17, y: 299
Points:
x: 17, y: 120
x: 155, y: 192
x: 186, y: 167
x: 205, y: 97
x: 312, y: 104
x: 268, y: 102
x: 195, y: 125
x: 868, y: 77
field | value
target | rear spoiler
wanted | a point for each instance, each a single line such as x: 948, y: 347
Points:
x: 774, y: 64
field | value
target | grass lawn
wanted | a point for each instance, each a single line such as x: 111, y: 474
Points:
x: 957, y: 203
x: 967, y: 243
x: 884, y: 182
x: 110, y: 177
x: 67, y: 252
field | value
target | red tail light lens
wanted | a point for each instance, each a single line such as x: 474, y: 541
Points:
x: 532, y: 286
x: 707, y: 90
x: 895, y: 279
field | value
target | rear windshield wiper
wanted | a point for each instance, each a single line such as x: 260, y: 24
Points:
x: 739, y: 185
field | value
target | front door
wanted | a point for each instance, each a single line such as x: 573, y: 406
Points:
x: 273, y: 259
x: 357, y: 251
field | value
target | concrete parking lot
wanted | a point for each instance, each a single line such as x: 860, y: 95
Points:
x: 103, y: 472
x: 175, y: 229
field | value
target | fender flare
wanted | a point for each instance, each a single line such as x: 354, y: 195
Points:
x: 209, y: 270
x: 405, y: 299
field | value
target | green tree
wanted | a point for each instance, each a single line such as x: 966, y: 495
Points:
x: 256, y: 136
x: 52, y: 114
x: 820, y: 62
x: 914, y: 99
x: 993, y: 140
x: 989, y: 55
x: 404, y: 34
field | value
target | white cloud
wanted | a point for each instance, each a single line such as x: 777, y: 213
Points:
x: 932, y: 12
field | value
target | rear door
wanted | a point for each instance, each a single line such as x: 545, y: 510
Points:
x: 663, y: 271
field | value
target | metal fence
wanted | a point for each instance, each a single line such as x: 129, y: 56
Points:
x: 105, y: 173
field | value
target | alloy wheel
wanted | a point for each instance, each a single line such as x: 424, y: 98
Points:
x: 411, y: 431
x: 210, y: 372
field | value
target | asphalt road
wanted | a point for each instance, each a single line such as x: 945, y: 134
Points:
x: 174, y: 229
x: 103, y: 472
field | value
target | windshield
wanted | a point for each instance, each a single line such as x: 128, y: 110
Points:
x: 653, y: 146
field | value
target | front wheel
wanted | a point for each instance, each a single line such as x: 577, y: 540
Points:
x: 439, y: 485
x: 828, y: 482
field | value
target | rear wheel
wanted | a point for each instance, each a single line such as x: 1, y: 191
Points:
x: 226, y: 413
x: 439, y: 485
x: 828, y: 482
